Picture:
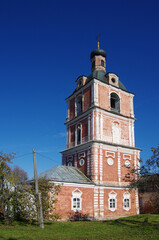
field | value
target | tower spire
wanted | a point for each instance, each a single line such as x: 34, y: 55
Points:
x: 98, y: 35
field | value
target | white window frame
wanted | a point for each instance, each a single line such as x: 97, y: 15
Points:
x: 76, y: 194
x: 78, y: 107
x: 112, y: 196
x: 81, y: 162
x: 126, y: 196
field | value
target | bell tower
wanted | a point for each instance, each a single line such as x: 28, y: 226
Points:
x: 100, y: 125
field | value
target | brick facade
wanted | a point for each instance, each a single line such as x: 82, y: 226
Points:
x: 100, y: 142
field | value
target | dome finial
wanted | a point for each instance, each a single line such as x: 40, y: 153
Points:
x: 98, y: 35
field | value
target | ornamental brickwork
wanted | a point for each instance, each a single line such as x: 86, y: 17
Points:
x: 101, y: 143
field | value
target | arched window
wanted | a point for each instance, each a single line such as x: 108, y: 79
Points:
x: 126, y: 201
x: 112, y: 201
x: 115, y: 102
x: 76, y: 200
x: 79, y: 104
x: 102, y: 63
x: 78, y: 134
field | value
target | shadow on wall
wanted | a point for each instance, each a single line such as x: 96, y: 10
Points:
x: 77, y: 216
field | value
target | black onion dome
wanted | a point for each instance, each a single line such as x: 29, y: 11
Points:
x: 98, y: 52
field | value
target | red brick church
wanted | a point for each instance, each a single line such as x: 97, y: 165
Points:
x: 100, y: 147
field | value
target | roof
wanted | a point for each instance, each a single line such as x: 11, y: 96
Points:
x: 65, y: 174
x: 98, y: 52
x: 100, y: 75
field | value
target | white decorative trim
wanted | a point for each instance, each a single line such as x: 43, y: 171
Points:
x: 101, y: 126
x: 119, y: 167
x: 101, y: 163
x: 126, y: 195
x: 131, y: 106
x: 96, y: 192
x: 127, y: 157
x: 116, y: 132
x: 81, y: 162
x: 135, y: 164
x: 110, y: 154
x: 92, y: 126
x: 96, y: 163
x: 96, y: 94
x: 110, y: 161
x: 97, y: 126
x: 127, y: 163
x: 88, y: 162
x: 101, y: 201
x: 92, y: 93
x: 81, y: 155
x: 133, y: 137
x: 137, y: 201
x: 112, y: 196
x: 130, y: 135
x: 76, y: 194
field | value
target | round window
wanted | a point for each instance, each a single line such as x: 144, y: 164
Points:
x: 127, y: 164
x: 81, y: 162
x: 110, y: 161
x: 113, y: 80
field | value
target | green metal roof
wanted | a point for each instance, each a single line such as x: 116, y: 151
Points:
x: 63, y: 173
x: 100, y: 75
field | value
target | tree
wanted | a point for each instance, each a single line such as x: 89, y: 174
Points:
x: 19, y: 175
x: 6, y: 181
x: 146, y: 179
x: 17, y: 196
x: 147, y: 175
x: 48, y: 192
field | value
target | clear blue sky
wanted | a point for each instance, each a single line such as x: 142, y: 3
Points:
x: 46, y: 45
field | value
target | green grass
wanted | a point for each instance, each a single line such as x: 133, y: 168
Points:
x: 140, y: 227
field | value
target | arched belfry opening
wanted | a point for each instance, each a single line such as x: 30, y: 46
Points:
x: 114, y: 103
x: 79, y: 105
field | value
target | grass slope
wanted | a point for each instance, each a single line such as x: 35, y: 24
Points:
x: 141, y: 227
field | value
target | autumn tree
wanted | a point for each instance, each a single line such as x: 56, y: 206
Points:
x: 146, y: 179
x: 19, y: 175
x: 17, y: 196
x: 6, y: 181
x: 48, y: 191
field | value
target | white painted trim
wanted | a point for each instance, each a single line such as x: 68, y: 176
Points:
x: 127, y: 156
x: 130, y: 135
x: 105, y: 113
x: 101, y: 126
x: 112, y: 195
x: 92, y: 93
x: 65, y: 184
x: 112, y: 88
x: 126, y: 195
x: 92, y: 126
x: 119, y: 166
x: 110, y: 154
x: 76, y: 194
x: 81, y: 155
x: 97, y: 126
x: 137, y: 201
x: 96, y: 103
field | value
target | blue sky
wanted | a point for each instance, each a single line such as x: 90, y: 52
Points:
x: 46, y: 45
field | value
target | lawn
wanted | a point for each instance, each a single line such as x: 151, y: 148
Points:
x: 136, y: 227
